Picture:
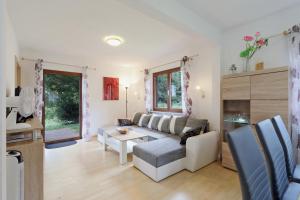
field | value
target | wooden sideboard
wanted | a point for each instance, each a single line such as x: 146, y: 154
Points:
x: 33, y: 155
x: 247, y: 98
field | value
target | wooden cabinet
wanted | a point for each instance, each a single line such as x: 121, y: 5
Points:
x: 264, y: 93
x: 263, y: 109
x: 227, y: 160
x: 33, y: 155
x: 236, y: 88
x: 269, y: 86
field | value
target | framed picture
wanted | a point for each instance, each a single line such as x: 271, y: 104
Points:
x: 110, y: 88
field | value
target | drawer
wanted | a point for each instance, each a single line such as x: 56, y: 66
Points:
x: 270, y: 86
x: 227, y: 160
x: 236, y: 88
x: 264, y: 109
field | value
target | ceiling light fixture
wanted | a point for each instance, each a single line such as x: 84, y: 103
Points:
x: 114, y: 40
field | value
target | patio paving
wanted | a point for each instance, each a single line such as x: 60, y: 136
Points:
x: 60, y: 134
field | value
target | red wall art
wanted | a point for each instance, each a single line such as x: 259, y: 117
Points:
x: 110, y: 88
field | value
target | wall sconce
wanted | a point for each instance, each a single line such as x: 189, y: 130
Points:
x: 202, y: 92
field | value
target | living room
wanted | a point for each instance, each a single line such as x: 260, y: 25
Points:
x: 164, y: 73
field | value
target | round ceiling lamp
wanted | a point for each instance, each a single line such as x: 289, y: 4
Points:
x: 114, y: 40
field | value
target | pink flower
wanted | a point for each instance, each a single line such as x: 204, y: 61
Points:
x: 257, y: 34
x: 248, y: 38
x: 261, y: 42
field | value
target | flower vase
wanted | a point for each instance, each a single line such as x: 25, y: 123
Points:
x: 246, y: 65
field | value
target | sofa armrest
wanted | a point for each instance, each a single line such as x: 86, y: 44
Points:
x: 202, y: 150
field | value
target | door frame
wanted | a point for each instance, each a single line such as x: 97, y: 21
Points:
x: 47, y: 72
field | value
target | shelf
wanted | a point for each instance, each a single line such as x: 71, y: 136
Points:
x: 236, y: 122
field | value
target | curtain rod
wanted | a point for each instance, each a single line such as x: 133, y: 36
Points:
x: 174, y: 61
x: 57, y: 63
x: 284, y: 33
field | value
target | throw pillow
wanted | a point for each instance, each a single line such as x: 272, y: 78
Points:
x: 154, y: 121
x: 164, y: 124
x: 177, y: 124
x: 144, y: 120
x: 190, y: 133
x: 196, y: 123
x: 125, y: 122
x: 185, y: 129
x: 136, y: 118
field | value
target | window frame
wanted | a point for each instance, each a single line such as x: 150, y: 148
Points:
x: 169, y: 102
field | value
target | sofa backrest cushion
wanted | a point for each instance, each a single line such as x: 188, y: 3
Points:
x: 194, y: 123
x: 144, y: 120
x: 164, y: 124
x: 136, y: 118
x: 153, y: 123
x: 177, y: 124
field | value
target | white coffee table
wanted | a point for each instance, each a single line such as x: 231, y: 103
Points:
x: 123, y: 139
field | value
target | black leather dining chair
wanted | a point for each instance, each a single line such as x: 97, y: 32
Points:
x: 252, y: 169
x: 281, y: 187
x: 293, y: 170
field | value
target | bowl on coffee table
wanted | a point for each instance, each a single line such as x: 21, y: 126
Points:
x: 123, y: 130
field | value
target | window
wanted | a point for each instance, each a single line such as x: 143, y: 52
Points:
x: 167, y: 91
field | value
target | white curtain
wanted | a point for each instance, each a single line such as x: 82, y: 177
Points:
x: 38, y: 89
x: 294, y: 93
x: 148, y: 91
x: 185, y: 83
x: 85, y: 106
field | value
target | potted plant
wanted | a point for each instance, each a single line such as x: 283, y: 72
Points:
x: 252, y: 44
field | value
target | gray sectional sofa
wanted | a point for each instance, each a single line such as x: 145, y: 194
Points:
x: 163, y: 155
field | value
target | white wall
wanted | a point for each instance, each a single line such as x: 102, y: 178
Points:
x: 2, y: 102
x: 274, y: 55
x: 102, y: 112
x: 12, y: 51
x: 205, y: 72
x: 8, y: 51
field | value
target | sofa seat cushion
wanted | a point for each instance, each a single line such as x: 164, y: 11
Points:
x: 160, y: 152
x: 149, y: 132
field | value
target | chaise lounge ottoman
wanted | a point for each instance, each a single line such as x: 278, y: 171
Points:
x: 160, y: 158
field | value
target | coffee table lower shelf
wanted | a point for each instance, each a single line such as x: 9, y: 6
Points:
x: 122, y: 145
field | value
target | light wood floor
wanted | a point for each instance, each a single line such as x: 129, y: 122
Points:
x: 86, y: 172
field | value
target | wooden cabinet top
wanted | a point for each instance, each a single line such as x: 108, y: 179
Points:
x: 265, y: 71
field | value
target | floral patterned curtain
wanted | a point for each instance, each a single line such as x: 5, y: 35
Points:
x: 38, y: 89
x: 148, y: 91
x: 294, y: 93
x: 85, y: 106
x: 185, y: 83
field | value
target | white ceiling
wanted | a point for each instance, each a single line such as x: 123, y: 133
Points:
x: 77, y: 28
x: 229, y: 13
